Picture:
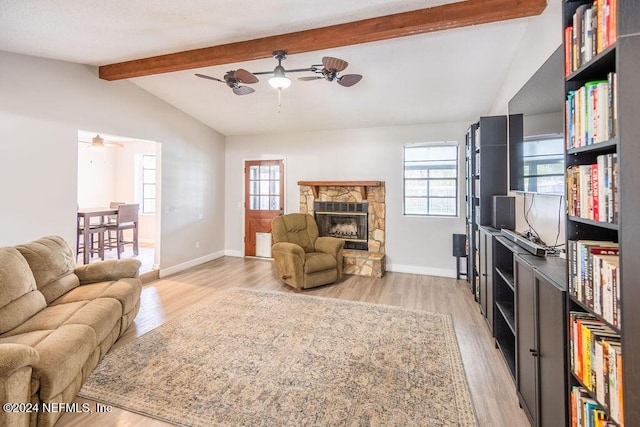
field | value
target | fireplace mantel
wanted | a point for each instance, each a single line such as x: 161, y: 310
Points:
x: 361, y: 184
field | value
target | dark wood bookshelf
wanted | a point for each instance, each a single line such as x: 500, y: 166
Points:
x: 599, y: 147
x: 584, y: 307
x: 609, y: 225
x: 602, y: 62
x: 622, y: 58
x: 486, y: 176
x: 507, y: 277
x: 506, y: 309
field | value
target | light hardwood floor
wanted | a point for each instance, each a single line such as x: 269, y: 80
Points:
x: 492, y: 388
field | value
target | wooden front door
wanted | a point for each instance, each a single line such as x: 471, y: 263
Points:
x: 263, y: 200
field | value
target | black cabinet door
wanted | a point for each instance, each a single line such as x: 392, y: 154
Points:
x: 482, y: 245
x: 551, y: 349
x: 490, y: 298
x: 526, y: 351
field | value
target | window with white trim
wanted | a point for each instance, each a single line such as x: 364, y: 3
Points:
x: 148, y: 183
x: 431, y: 179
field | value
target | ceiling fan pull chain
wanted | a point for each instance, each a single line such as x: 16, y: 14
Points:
x: 279, y: 99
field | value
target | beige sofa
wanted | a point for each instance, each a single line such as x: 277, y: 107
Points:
x: 56, y: 323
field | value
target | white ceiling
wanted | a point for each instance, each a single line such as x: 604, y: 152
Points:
x: 446, y: 76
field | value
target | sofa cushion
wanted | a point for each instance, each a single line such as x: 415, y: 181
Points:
x: 63, y: 354
x: 52, y: 262
x: 127, y: 291
x: 318, y: 261
x: 28, y: 338
x: 101, y: 315
x: 19, y: 296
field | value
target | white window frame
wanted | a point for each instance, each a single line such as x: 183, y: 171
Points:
x: 456, y: 197
x: 143, y: 205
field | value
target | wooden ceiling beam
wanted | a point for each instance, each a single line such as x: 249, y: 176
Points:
x: 453, y: 15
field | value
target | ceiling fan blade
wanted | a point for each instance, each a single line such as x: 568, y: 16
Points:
x: 209, y: 77
x: 334, y: 64
x: 309, y: 78
x: 349, y: 80
x: 244, y: 76
x: 243, y: 90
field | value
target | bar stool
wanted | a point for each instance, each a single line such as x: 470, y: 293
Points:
x: 126, y: 219
x: 96, y: 229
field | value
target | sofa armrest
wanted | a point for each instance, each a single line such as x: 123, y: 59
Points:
x: 108, y: 270
x: 332, y: 246
x: 288, y: 248
x: 289, y: 259
x: 16, y: 356
x: 329, y: 245
x: 16, y: 367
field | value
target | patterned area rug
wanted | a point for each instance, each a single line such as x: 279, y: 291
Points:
x: 264, y: 358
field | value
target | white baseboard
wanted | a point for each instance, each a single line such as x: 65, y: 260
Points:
x: 238, y: 254
x: 194, y: 262
x: 397, y: 268
x: 425, y: 271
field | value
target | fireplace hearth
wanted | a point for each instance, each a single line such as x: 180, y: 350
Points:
x: 344, y: 220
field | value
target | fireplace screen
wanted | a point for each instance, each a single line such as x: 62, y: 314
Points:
x: 347, y: 221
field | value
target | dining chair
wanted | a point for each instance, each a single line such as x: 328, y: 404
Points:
x: 126, y: 219
x: 111, y: 219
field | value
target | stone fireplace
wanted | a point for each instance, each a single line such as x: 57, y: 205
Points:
x: 353, y: 211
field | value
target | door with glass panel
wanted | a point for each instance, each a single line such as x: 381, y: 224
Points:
x: 264, y: 199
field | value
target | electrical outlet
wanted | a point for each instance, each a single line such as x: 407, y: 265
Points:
x: 197, y: 244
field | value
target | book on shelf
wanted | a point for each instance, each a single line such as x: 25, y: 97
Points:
x: 592, y: 190
x: 614, y: 396
x: 594, y: 274
x: 593, y: 29
x: 591, y: 112
x: 585, y: 412
x: 596, y: 360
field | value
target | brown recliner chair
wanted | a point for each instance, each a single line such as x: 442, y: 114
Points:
x: 304, y: 260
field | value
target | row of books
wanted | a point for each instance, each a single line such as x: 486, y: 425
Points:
x: 594, y: 277
x: 586, y: 412
x: 592, y: 113
x: 593, y: 29
x: 592, y: 190
x: 596, y: 360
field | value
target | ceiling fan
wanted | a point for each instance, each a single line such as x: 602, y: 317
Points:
x: 98, y: 142
x: 330, y: 70
x: 234, y: 78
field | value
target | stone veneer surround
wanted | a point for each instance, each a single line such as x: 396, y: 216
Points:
x: 364, y: 263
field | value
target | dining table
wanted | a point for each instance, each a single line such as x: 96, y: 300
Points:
x: 85, y: 214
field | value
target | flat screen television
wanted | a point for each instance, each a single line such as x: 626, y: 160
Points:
x: 536, y: 131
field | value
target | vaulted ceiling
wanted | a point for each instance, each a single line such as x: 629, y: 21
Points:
x: 420, y: 66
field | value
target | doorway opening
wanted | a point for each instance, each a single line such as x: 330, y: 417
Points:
x: 116, y: 169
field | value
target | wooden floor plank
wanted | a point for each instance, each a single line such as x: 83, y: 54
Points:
x: 492, y: 388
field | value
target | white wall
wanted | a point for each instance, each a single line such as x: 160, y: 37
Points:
x: 414, y: 244
x: 541, y: 39
x: 43, y: 105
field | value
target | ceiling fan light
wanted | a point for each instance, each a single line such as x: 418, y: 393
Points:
x: 97, y: 142
x: 280, y: 82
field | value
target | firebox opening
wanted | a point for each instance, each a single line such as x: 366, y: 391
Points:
x: 347, y: 221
